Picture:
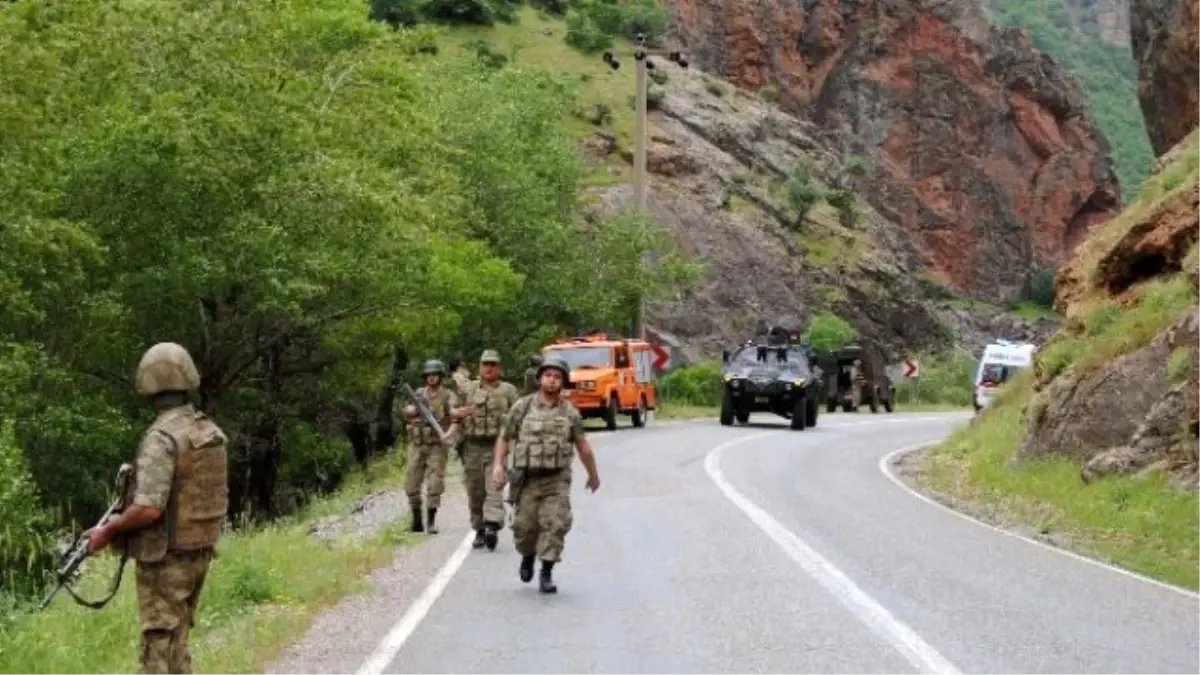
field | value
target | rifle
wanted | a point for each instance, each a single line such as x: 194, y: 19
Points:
x: 424, y: 409
x: 78, y: 552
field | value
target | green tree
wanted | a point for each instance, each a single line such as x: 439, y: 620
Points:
x: 828, y: 331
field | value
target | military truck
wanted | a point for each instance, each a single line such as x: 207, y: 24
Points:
x: 877, y: 386
x: 776, y: 378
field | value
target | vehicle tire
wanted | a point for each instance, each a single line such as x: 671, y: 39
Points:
x: 639, y: 415
x: 727, y: 409
x: 873, y: 404
x: 811, y: 412
x: 846, y: 407
x: 799, y: 413
x: 831, y: 405
x: 614, y: 409
x: 889, y: 402
x: 742, y: 416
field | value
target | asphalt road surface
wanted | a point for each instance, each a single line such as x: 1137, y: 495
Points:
x: 759, y: 549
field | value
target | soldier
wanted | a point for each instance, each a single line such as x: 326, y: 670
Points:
x: 545, y: 430
x: 485, y: 402
x: 176, y: 506
x: 460, y: 376
x: 531, y: 380
x: 426, y: 450
x: 856, y: 383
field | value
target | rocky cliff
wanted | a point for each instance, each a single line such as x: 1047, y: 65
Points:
x: 720, y: 163
x: 1164, y: 39
x: 1119, y: 386
x: 983, y: 151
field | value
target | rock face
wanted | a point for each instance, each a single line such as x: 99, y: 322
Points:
x: 718, y: 159
x: 1163, y: 36
x: 983, y: 150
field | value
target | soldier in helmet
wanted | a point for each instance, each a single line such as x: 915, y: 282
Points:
x: 857, y: 382
x: 485, y: 402
x: 544, y: 431
x: 426, y: 451
x: 531, y: 383
x: 175, y: 508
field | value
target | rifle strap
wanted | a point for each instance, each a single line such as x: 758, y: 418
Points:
x: 112, y: 591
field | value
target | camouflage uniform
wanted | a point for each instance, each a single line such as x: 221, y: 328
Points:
x: 489, y: 404
x: 426, y: 462
x: 530, y: 385
x: 856, y: 384
x: 181, y: 470
x: 543, y: 438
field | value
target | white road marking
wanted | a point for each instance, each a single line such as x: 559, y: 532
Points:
x: 885, y: 467
x: 387, y: 650
x: 906, y: 641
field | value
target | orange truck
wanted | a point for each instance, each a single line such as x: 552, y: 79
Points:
x: 609, y: 377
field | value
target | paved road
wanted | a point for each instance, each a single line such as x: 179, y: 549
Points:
x: 758, y: 549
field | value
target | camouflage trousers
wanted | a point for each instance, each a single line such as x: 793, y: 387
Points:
x: 543, y: 515
x: 484, y: 501
x: 426, y: 464
x: 167, y: 594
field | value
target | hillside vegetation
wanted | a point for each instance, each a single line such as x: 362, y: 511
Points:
x: 289, y: 190
x: 1135, y: 502
x: 1107, y: 72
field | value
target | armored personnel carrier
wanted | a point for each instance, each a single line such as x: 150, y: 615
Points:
x: 771, y: 376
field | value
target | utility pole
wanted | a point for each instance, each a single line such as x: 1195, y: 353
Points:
x: 642, y: 65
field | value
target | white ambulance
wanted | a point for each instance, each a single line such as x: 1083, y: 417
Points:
x: 1000, y: 361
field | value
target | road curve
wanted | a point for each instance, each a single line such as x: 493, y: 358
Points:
x: 759, y: 549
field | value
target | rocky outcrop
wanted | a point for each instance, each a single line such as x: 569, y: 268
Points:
x: 983, y: 150
x: 1164, y: 39
x: 718, y: 159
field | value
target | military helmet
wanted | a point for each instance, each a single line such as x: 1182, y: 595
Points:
x: 535, y: 360
x: 433, y: 366
x: 166, y: 367
x: 489, y: 356
x: 554, y: 362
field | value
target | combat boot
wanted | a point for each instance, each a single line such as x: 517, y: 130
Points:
x: 545, y: 583
x: 478, y: 542
x: 491, y: 535
x: 527, y: 568
x: 431, y: 512
x: 416, y: 519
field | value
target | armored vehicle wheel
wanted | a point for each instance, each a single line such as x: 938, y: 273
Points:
x: 831, y: 405
x: 800, y: 413
x: 610, y: 417
x: 810, y: 416
x: 727, y: 409
x: 888, y: 402
x: 742, y: 416
x: 846, y: 407
x: 873, y: 403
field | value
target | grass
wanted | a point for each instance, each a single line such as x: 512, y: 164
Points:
x: 1138, y: 523
x: 1032, y: 311
x: 537, y: 41
x: 261, y: 594
x: 1112, y: 329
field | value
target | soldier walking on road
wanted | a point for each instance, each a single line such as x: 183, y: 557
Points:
x: 545, y: 431
x: 531, y: 380
x: 856, y: 384
x: 426, y: 450
x: 485, y: 402
x: 177, y: 502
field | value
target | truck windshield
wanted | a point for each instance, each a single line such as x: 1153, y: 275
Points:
x: 583, y: 357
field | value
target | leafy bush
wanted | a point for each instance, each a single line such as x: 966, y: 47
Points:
x: 24, y: 528
x: 698, y: 385
x: 584, y: 35
x: 659, y: 76
x: 592, y: 24
x: 769, y: 93
x: 1041, y: 287
x: 840, y: 199
x: 827, y: 331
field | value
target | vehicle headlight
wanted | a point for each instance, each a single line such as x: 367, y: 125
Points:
x: 586, y: 385
x: 799, y: 382
x: 735, y: 383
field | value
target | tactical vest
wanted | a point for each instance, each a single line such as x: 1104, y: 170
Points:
x: 543, y: 440
x: 488, y: 404
x: 421, y: 433
x: 199, y: 492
